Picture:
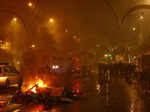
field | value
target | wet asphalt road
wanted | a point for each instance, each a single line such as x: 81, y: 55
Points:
x: 120, y: 97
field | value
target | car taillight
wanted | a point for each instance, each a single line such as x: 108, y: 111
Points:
x: 2, y: 104
x: 78, y: 91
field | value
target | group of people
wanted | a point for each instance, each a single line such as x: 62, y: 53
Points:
x: 117, y: 69
x: 124, y: 70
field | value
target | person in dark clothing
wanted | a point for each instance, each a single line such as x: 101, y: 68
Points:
x: 20, y: 82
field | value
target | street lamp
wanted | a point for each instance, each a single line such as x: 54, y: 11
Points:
x: 33, y: 46
x: 141, y: 17
x: 134, y: 29
x: 30, y: 4
x: 15, y: 19
x: 106, y: 55
x: 51, y: 20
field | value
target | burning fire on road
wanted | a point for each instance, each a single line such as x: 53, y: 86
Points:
x: 34, y: 84
x: 37, y: 108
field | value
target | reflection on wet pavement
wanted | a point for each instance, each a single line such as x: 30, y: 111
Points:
x: 122, y: 97
x: 135, y: 101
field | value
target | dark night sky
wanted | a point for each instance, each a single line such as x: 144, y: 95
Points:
x: 93, y: 20
x: 96, y: 21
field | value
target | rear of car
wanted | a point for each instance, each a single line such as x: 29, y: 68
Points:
x: 9, y: 76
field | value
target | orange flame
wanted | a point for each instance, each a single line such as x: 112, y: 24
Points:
x: 34, y: 90
x: 37, y: 108
x: 34, y: 85
x: 40, y: 83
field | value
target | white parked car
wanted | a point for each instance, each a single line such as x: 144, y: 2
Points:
x: 9, y: 75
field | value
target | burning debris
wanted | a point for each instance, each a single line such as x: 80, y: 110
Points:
x: 33, y: 87
x: 40, y: 93
x: 36, y: 108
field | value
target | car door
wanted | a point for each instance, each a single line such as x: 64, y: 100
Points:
x: 12, y: 74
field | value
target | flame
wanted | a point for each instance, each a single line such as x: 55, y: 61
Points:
x: 37, y: 108
x: 34, y: 89
x: 33, y: 85
x: 40, y: 83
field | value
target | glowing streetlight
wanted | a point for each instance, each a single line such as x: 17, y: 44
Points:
x: 51, y: 20
x: 55, y: 67
x: 141, y: 17
x: 30, y: 4
x: 15, y: 19
x: 134, y: 29
x: 33, y: 46
x: 106, y: 55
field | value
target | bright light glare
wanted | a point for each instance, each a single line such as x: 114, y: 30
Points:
x: 51, y: 20
x: 33, y: 46
x: 3, y: 79
x: 14, y: 19
x: 141, y: 17
x: 6, y: 46
x: 134, y: 29
x: 40, y: 83
x: 33, y: 89
x: 55, y: 66
x: 30, y: 4
x: 106, y: 55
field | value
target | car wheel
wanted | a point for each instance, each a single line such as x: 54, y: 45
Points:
x: 7, y: 84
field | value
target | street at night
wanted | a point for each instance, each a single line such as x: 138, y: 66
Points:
x: 122, y: 96
x: 74, y: 56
